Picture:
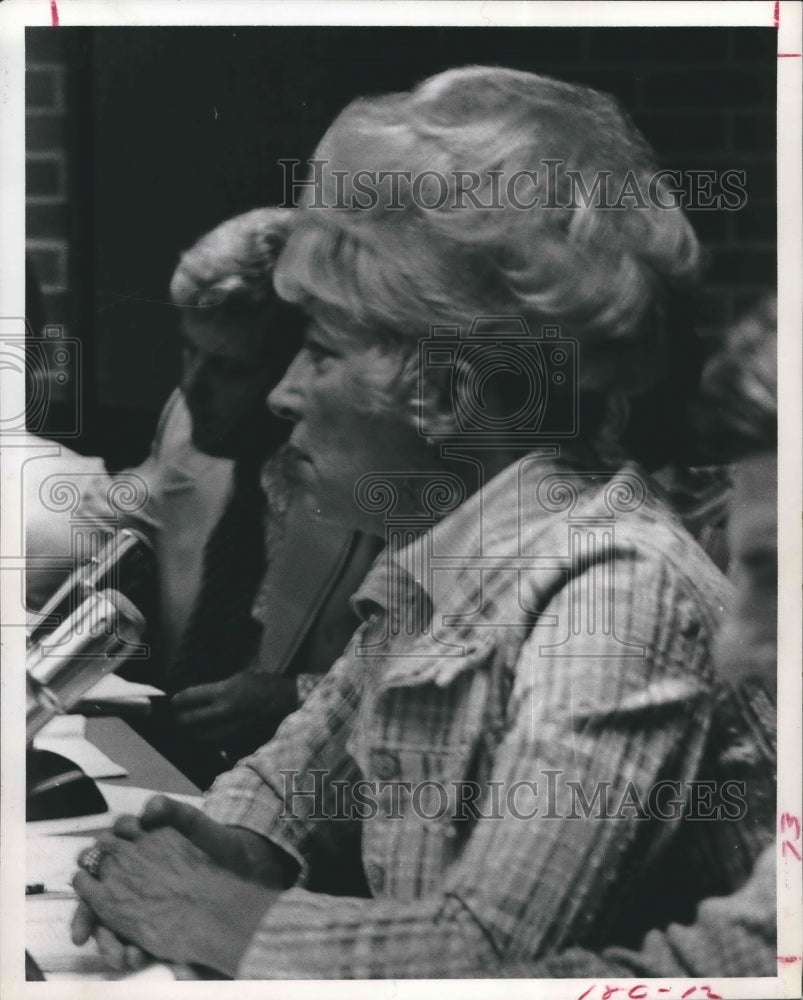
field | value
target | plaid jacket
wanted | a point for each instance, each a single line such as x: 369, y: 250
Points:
x: 550, y: 637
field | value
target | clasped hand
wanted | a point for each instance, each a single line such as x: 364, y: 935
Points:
x: 178, y: 886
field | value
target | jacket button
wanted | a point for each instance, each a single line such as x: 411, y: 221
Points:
x: 385, y: 765
x: 376, y: 876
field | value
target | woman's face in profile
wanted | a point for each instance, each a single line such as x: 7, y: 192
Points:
x: 339, y: 436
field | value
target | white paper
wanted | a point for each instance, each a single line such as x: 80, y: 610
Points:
x: 47, y: 939
x: 51, y: 861
x: 65, y: 735
x: 93, y: 762
x: 118, y: 690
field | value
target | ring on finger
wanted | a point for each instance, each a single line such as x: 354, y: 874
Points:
x: 90, y: 859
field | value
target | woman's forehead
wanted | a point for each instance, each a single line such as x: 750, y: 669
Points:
x: 333, y: 328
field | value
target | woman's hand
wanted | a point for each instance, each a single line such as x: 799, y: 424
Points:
x: 240, y: 851
x: 164, y: 895
x: 244, y: 709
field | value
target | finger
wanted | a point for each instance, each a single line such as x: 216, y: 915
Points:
x: 135, y: 958
x: 91, y: 858
x: 89, y: 889
x: 198, y: 828
x: 184, y: 972
x: 201, y: 694
x: 202, y: 717
x: 127, y: 827
x: 106, y: 845
x: 111, y: 948
x: 83, y: 923
x: 108, y: 842
x: 158, y: 811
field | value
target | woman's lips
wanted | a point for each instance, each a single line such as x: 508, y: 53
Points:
x: 296, y: 453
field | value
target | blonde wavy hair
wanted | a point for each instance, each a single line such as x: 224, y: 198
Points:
x: 230, y: 269
x: 605, y: 276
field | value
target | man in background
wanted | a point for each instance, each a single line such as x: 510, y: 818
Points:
x: 215, y: 507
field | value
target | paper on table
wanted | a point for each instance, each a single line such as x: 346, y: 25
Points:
x: 65, y: 735
x: 118, y: 690
x: 64, y: 725
x: 47, y: 938
x: 51, y: 861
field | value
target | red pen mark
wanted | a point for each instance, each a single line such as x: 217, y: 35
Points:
x: 688, y: 993
x: 709, y: 995
x: 641, y: 995
x: 54, y: 13
x: 610, y: 990
x: 776, y: 17
x: 790, y: 822
x: 788, y: 959
x: 589, y: 990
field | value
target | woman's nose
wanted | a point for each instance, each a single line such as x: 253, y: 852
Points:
x: 286, y: 398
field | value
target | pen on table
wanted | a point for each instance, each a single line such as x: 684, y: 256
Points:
x: 36, y: 889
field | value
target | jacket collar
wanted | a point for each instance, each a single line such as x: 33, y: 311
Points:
x: 399, y: 584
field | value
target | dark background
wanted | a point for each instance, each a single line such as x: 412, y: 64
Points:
x: 141, y: 139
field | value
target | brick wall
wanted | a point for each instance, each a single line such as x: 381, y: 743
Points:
x: 47, y: 171
x: 712, y: 107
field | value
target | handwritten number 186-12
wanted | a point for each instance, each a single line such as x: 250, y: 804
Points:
x: 642, y: 992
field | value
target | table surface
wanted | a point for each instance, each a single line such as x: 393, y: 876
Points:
x: 146, y: 768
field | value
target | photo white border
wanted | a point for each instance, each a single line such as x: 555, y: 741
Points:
x: 14, y: 16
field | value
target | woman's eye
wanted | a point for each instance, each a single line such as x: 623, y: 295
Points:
x: 318, y: 353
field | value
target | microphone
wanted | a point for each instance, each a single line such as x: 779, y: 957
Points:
x: 124, y: 562
x: 97, y: 638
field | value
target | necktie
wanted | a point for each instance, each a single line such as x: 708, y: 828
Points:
x: 221, y: 636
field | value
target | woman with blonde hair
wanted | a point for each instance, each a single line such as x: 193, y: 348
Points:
x: 534, y: 655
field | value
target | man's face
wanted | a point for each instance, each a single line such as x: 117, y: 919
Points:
x: 747, y: 642
x: 226, y: 375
